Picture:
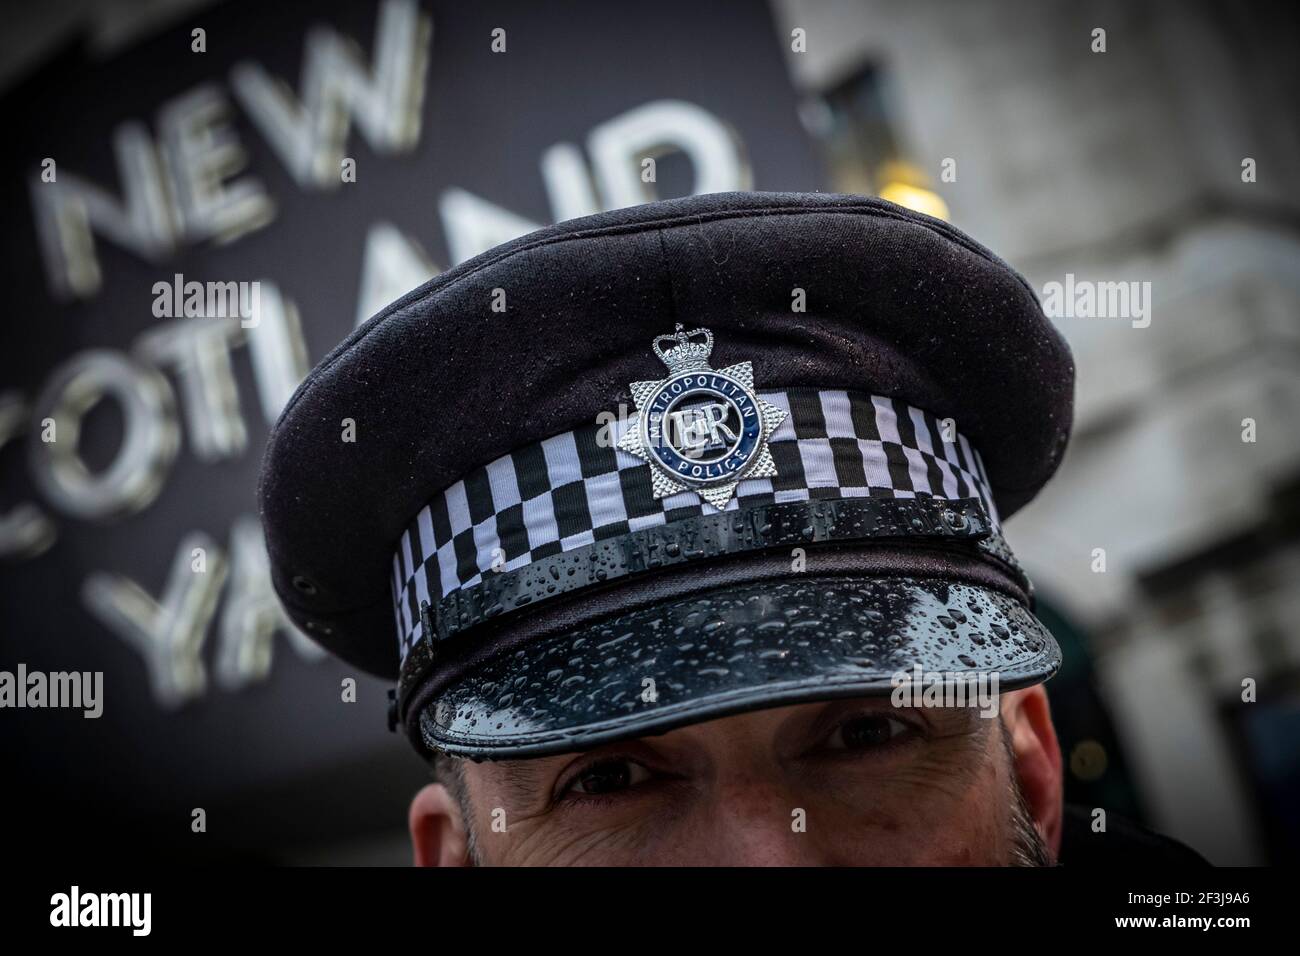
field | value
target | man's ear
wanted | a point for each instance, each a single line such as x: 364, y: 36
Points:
x: 1037, y: 759
x: 438, y: 834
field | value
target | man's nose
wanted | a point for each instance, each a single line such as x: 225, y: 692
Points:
x: 762, y: 823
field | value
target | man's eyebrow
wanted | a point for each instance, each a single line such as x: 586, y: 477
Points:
x: 523, y: 780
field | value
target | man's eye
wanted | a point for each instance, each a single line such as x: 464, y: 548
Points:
x: 609, y: 776
x: 866, y: 732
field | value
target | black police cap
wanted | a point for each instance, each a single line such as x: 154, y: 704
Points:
x: 554, y: 585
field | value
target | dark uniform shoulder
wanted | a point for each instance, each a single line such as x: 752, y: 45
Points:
x: 1123, y: 842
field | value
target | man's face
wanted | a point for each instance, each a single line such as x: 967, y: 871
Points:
x: 848, y: 782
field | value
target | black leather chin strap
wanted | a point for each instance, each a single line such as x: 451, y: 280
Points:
x: 927, y: 536
x: 706, y: 538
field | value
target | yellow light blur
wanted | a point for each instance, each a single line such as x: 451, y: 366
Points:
x: 1088, y: 760
x: 914, y: 197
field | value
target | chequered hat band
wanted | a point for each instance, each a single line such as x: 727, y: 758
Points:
x: 577, y: 488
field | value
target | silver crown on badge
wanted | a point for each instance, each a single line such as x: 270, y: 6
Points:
x: 701, y: 429
x: 686, y: 355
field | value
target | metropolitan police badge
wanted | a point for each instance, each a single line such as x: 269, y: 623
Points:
x: 701, y: 429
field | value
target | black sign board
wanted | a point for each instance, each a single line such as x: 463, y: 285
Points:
x: 188, y: 227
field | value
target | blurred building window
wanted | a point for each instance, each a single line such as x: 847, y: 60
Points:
x: 853, y: 121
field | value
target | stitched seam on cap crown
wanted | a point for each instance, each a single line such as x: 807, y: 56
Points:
x: 668, y: 273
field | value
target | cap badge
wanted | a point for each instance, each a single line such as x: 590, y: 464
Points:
x: 701, y: 429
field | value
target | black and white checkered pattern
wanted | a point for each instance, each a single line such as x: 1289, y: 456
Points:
x: 576, y: 488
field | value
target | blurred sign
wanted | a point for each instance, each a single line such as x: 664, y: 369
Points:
x: 193, y: 224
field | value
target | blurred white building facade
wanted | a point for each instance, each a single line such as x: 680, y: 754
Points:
x: 1127, y: 166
